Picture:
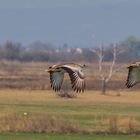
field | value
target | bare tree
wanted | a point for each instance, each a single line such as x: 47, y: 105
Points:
x: 105, y: 77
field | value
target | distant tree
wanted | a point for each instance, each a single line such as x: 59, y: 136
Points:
x: 35, y: 56
x: 131, y: 42
x: 106, y: 75
x: 40, y: 46
x: 11, y: 51
x: 132, y: 45
x: 88, y: 55
x: 38, y: 51
x: 65, y: 46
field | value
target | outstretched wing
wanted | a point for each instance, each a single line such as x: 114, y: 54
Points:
x: 77, y: 78
x: 133, y: 76
x: 56, y: 79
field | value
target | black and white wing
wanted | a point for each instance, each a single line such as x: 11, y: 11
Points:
x: 56, y: 79
x: 77, y: 79
x: 133, y: 76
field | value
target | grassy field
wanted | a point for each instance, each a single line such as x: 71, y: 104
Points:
x: 90, y: 112
x: 32, y: 75
x: 44, y: 136
x: 30, y: 110
x: 90, y: 115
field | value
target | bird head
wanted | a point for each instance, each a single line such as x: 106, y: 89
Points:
x: 50, y: 69
x: 84, y: 66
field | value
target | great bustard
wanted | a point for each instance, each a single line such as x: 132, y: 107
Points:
x: 133, y: 74
x: 75, y: 73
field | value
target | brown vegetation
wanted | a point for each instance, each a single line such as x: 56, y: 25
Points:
x: 32, y: 75
x: 45, y: 123
x: 36, y: 111
x: 39, y: 123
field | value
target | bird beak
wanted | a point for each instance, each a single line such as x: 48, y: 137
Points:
x: 46, y: 70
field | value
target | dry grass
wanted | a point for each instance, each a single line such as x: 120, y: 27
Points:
x: 90, y: 112
x: 31, y: 75
x: 91, y: 96
x: 25, y: 87
x: 40, y: 123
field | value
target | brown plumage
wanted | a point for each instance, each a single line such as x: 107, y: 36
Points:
x: 75, y: 73
x: 133, y: 74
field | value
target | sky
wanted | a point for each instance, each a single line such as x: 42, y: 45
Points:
x: 80, y: 23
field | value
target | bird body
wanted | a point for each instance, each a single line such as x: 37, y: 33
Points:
x: 75, y: 73
x: 133, y: 74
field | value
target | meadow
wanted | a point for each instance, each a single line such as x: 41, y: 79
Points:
x: 56, y: 136
x: 29, y: 109
x: 32, y: 75
x: 89, y: 115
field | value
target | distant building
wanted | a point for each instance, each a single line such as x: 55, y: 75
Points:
x: 79, y: 50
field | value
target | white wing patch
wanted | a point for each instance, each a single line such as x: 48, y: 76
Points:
x: 56, y: 79
x: 133, y: 76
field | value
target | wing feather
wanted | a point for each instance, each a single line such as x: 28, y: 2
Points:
x: 133, y: 76
x: 56, y: 79
x: 77, y: 79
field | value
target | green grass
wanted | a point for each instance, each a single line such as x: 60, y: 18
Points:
x: 89, y: 111
x: 55, y: 136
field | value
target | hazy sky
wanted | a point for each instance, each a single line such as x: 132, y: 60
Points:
x: 76, y: 22
x: 16, y: 4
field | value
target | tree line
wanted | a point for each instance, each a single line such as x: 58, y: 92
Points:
x: 38, y: 51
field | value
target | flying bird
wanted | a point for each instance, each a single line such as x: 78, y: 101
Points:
x: 133, y: 74
x: 75, y: 73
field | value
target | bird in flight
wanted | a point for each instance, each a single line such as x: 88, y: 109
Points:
x: 133, y: 74
x: 75, y: 73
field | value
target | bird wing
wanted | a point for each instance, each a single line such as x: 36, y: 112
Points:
x: 56, y: 79
x: 77, y: 78
x: 133, y: 76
